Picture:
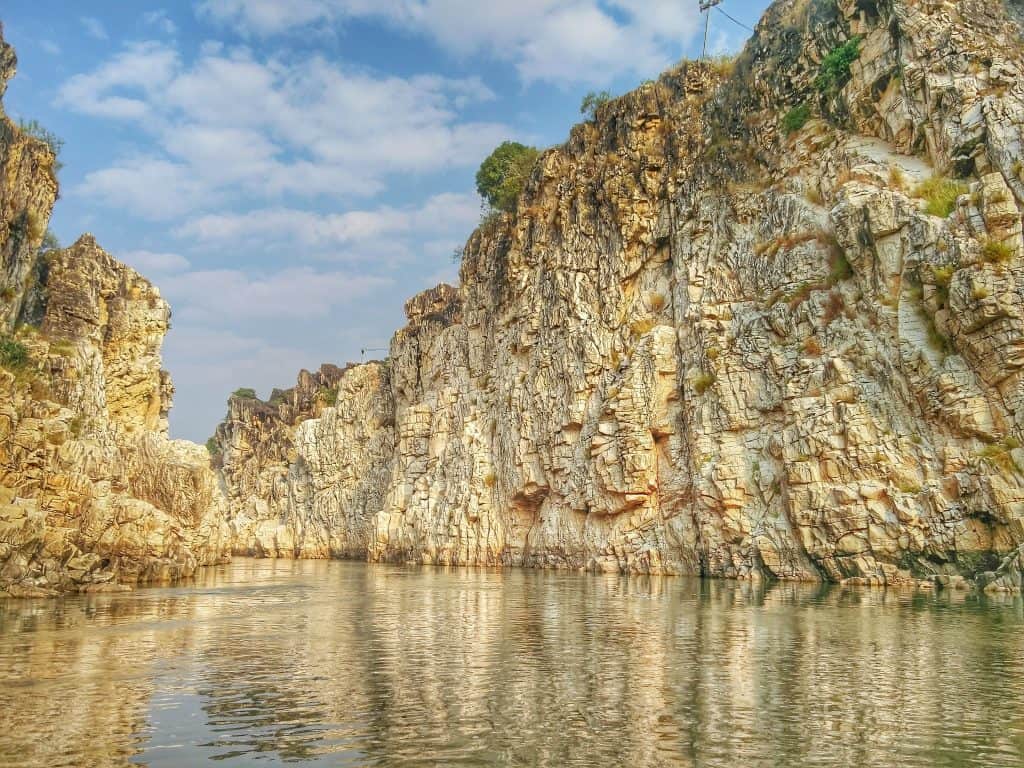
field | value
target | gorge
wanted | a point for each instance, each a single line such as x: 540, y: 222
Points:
x: 757, y: 320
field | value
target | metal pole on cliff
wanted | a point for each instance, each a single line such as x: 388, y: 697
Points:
x: 705, y: 8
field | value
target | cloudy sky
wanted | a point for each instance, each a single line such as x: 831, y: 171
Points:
x: 288, y: 173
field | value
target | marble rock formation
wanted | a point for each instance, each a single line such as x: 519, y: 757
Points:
x: 756, y: 319
x: 93, y: 493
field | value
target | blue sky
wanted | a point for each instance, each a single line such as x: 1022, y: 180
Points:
x: 289, y: 173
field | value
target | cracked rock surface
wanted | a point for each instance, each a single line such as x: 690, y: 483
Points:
x: 708, y: 344
x: 93, y: 494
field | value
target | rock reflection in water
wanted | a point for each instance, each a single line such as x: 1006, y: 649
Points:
x: 359, y: 665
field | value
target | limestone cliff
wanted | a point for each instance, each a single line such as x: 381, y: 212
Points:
x: 303, y: 479
x: 93, y: 494
x: 755, y: 321
x: 28, y: 189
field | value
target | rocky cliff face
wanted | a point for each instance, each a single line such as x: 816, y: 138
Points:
x: 28, y: 189
x: 93, y: 494
x: 303, y: 478
x: 765, y: 322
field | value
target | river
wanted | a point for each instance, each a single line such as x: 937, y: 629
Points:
x: 266, y: 662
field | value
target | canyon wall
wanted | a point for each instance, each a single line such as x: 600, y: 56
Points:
x: 313, y: 475
x: 761, y: 319
x: 93, y: 493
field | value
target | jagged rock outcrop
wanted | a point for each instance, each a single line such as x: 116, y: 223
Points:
x: 28, y: 189
x: 303, y: 479
x: 93, y: 493
x: 755, y: 323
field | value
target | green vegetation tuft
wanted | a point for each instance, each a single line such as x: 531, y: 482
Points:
x: 835, y: 67
x: 996, y: 251
x: 503, y: 174
x: 840, y: 268
x: 936, y: 340
x: 702, y: 382
x: 592, y: 102
x: 943, y: 275
x: 50, y: 241
x: 328, y: 396
x: 1000, y: 454
x: 796, y: 119
x: 723, y: 65
x: 62, y: 347
x: 244, y: 393
x: 940, y: 195
x: 36, y: 130
x: 13, y: 354
x: 212, y: 447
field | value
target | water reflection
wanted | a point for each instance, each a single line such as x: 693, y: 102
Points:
x: 349, y: 664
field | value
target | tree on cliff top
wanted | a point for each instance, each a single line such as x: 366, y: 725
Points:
x: 503, y: 175
x: 594, y: 101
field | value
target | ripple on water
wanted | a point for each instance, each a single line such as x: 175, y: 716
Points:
x: 348, y: 664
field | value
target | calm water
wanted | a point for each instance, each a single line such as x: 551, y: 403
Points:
x: 346, y: 664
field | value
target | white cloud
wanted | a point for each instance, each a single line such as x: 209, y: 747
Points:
x: 266, y: 17
x: 50, y: 47
x: 150, y: 262
x: 308, y: 128
x: 124, y: 87
x: 726, y: 42
x: 442, y: 214
x: 262, y: 168
x: 161, y: 21
x: 147, y: 186
x: 203, y: 296
x: 589, y: 41
x: 207, y: 364
x: 94, y: 27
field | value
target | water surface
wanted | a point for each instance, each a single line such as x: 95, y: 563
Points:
x: 348, y: 664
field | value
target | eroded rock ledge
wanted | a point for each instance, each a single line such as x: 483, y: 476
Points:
x: 707, y: 345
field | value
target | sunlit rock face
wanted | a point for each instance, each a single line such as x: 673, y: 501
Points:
x: 718, y: 339
x: 93, y: 493
x: 28, y: 189
x: 304, y: 479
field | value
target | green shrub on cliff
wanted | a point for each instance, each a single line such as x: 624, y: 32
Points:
x: 996, y: 251
x: 50, y: 241
x: 940, y: 195
x: 212, y: 448
x: 835, y: 67
x: 796, y: 119
x: 36, y: 130
x: 702, y: 382
x: 594, y: 101
x: 13, y: 354
x: 244, y: 393
x: 503, y: 174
